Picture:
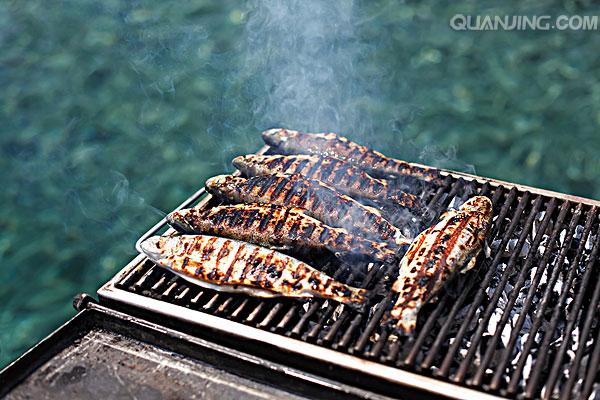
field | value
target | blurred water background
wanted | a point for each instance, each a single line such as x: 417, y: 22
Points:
x: 113, y: 112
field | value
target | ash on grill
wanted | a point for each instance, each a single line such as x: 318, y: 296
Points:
x: 523, y: 323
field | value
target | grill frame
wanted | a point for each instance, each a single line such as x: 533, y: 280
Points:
x: 439, y: 385
x: 110, y: 294
x: 107, y: 323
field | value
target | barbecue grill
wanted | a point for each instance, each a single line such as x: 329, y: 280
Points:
x: 523, y: 324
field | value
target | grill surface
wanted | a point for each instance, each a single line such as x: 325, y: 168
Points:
x: 523, y: 323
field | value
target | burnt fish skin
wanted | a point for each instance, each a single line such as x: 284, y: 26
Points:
x: 317, y: 199
x: 333, y: 145
x: 345, y: 177
x: 436, y: 254
x: 234, y: 266
x: 277, y: 227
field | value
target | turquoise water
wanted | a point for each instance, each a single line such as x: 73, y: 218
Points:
x: 113, y: 112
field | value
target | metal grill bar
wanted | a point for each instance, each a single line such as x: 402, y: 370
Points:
x: 593, y: 366
x: 531, y: 229
x: 537, y: 322
x: 477, y: 380
x: 449, y: 359
x: 571, y: 320
x: 466, y: 363
x: 459, y: 302
x: 533, y: 380
x: 589, y: 319
x: 416, y: 344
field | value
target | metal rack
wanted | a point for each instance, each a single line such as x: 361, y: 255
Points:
x: 505, y: 329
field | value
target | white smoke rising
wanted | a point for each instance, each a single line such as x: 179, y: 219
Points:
x: 302, y: 58
x: 316, y: 66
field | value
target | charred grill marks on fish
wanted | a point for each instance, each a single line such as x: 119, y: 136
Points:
x: 276, y: 227
x: 341, y: 175
x: 332, y: 145
x: 317, y: 199
x: 232, y: 265
x: 447, y: 247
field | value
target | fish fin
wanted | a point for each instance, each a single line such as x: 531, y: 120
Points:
x: 403, y: 241
x: 405, y: 319
x: 470, y: 265
x: 448, y: 213
x: 487, y: 250
x: 298, y: 210
x: 280, y: 247
x: 248, y: 290
x: 374, y: 210
x: 405, y: 327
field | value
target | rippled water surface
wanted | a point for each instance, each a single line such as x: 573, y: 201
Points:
x: 113, y: 112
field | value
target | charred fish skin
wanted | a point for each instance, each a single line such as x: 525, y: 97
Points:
x: 317, y: 199
x: 333, y: 145
x: 230, y: 263
x: 448, y: 247
x: 345, y: 177
x: 277, y: 227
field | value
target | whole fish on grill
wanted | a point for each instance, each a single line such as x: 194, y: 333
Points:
x: 278, y: 227
x: 332, y: 145
x: 234, y: 266
x: 450, y: 246
x: 341, y: 175
x: 317, y: 199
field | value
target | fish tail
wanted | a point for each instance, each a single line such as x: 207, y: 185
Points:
x: 358, y: 296
x: 385, y: 253
x: 402, y: 241
x: 406, y: 319
x: 406, y: 326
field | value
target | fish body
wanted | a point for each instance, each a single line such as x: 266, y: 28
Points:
x: 317, y: 199
x: 332, y: 145
x: 231, y: 265
x: 345, y: 177
x: 277, y: 227
x: 445, y: 248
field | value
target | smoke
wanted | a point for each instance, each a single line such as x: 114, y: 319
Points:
x: 314, y: 66
x: 302, y: 60
x: 318, y: 66
x: 110, y: 196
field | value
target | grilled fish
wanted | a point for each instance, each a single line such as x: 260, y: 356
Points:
x: 332, y: 145
x: 450, y: 246
x: 234, y: 266
x: 317, y: 199
x: 277, y: 227
x: 341, y: 175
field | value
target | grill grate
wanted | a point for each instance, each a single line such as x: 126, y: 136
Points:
x: 525, y: 322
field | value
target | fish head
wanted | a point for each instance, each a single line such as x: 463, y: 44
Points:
x: 278, y: 137
x: 482, y: 208
x: 481, y: 204
x: 164, y: 250
x: 329, y: 136
x: 247, y: 165
x: 180, y: 220
x: 223, y: 185
x: 156, y: 248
